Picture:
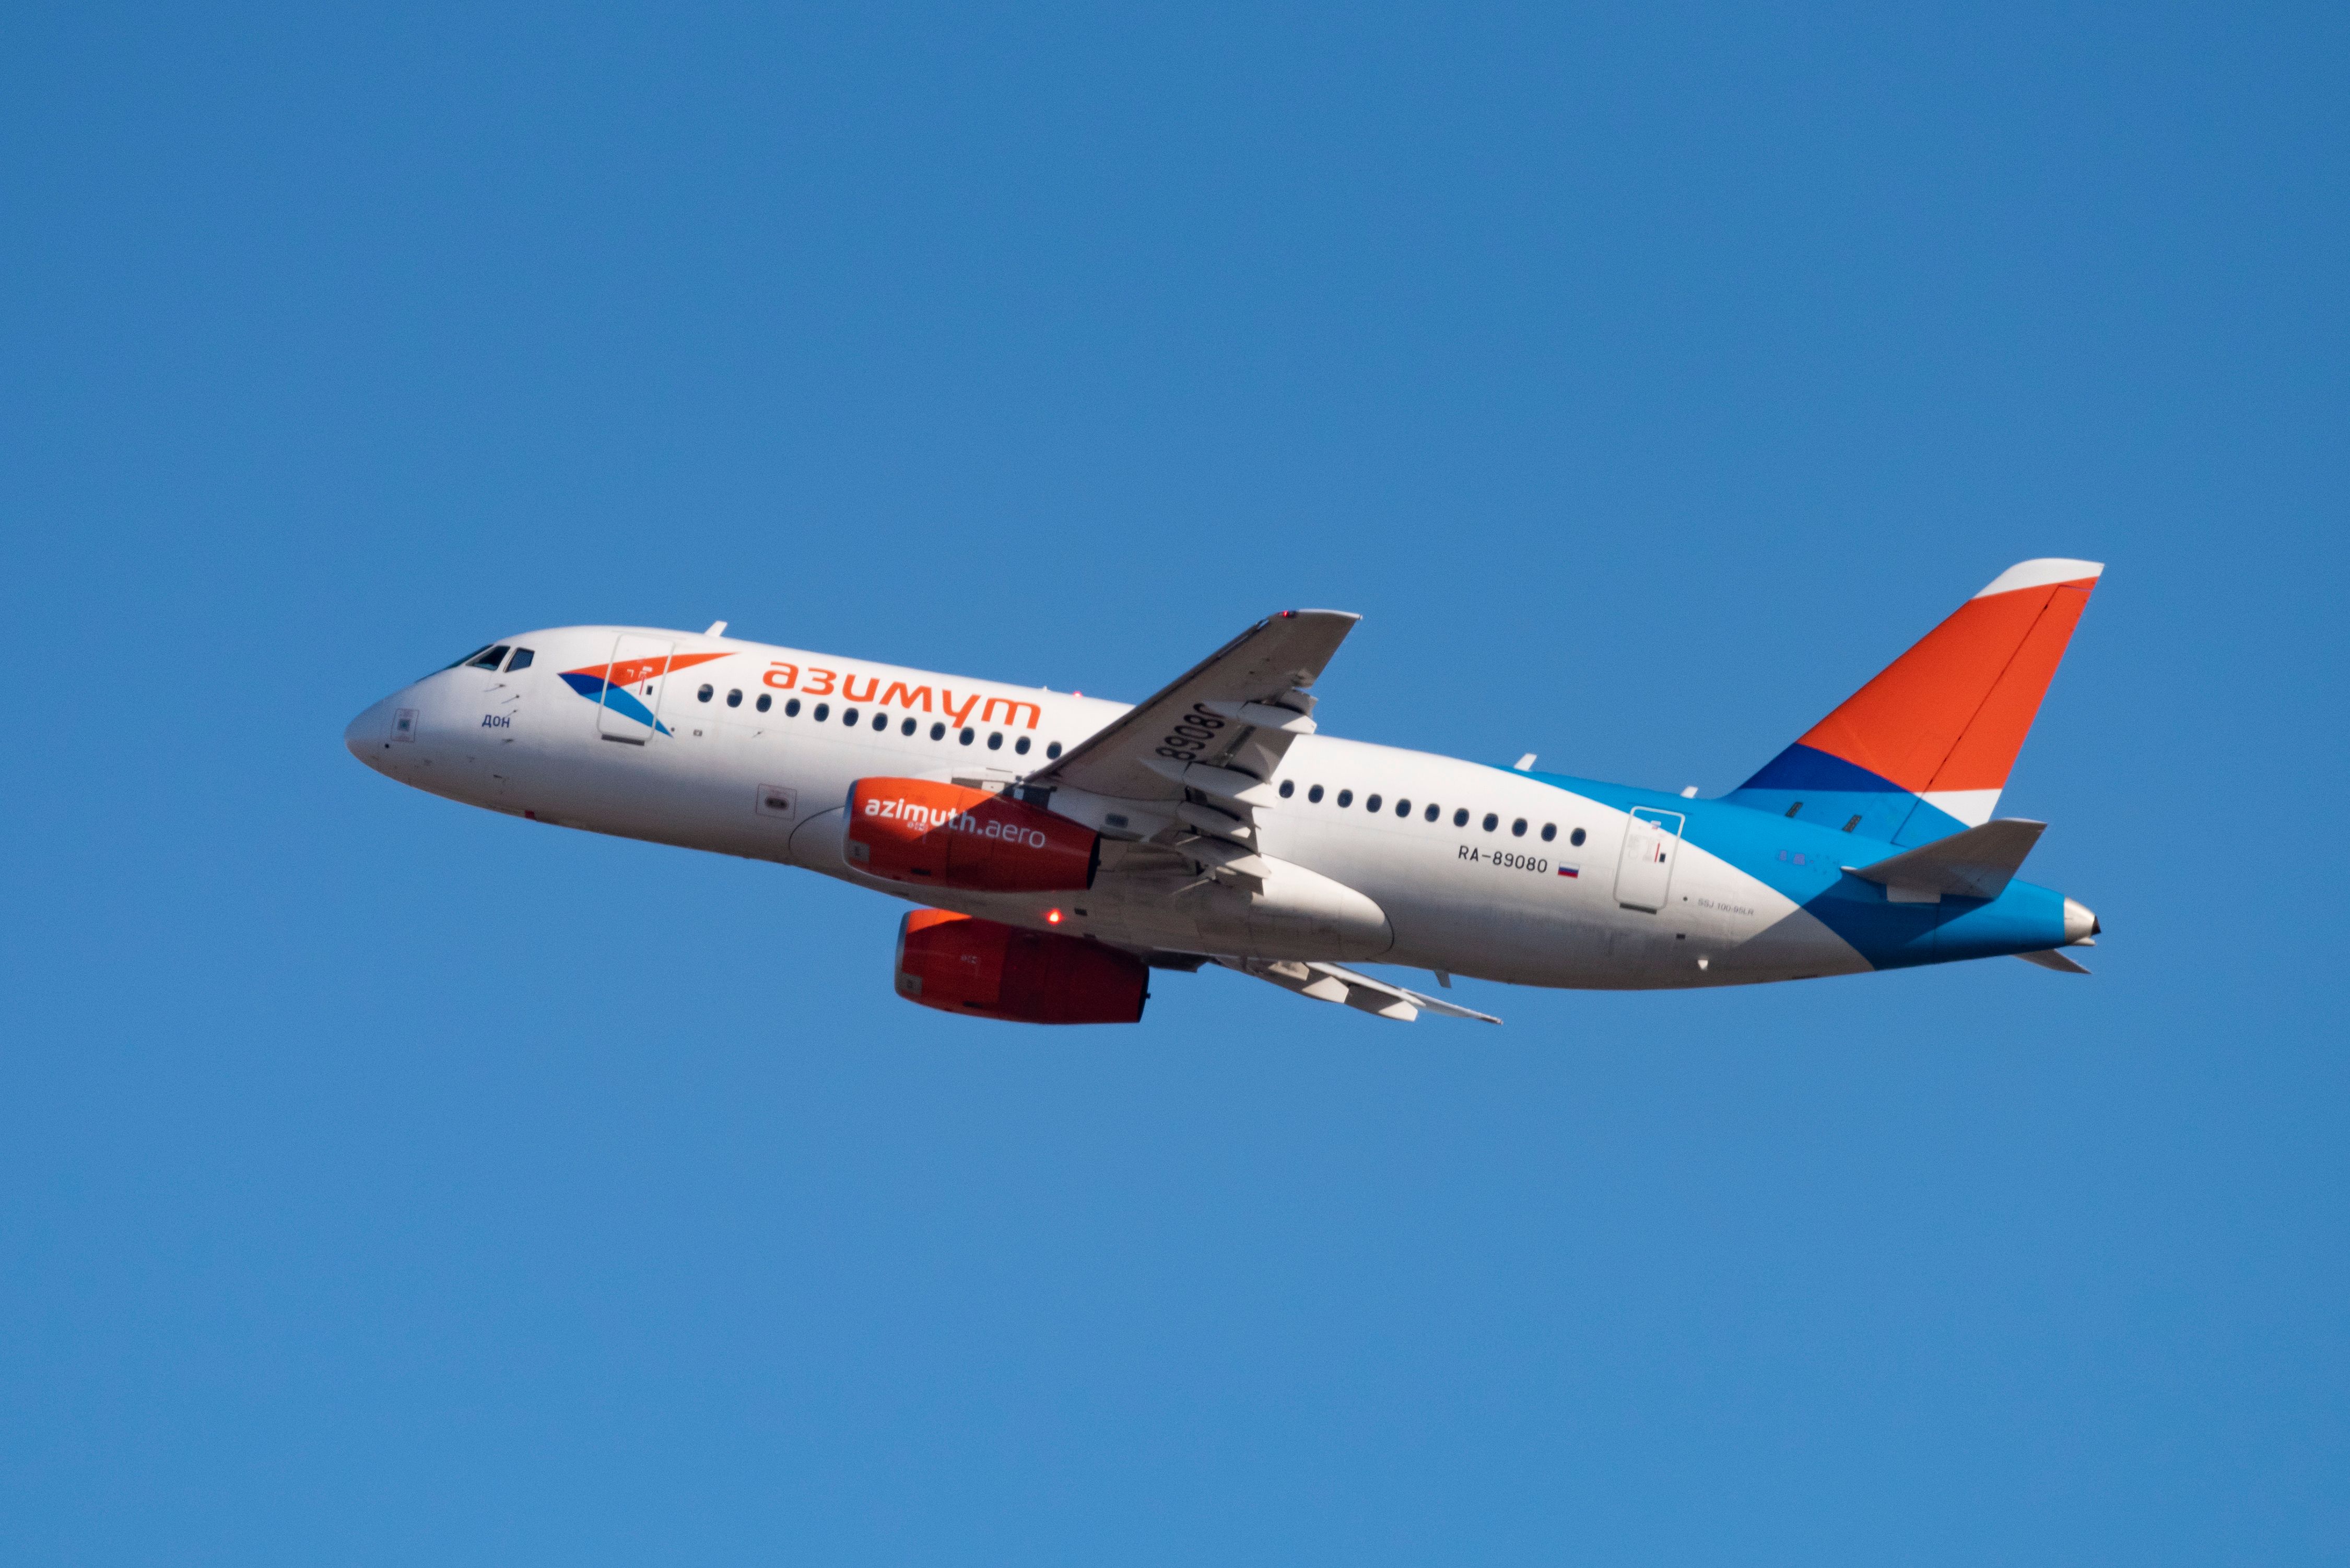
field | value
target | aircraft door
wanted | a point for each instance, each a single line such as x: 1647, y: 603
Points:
x: 1644, y: 872
x: 632, y: 689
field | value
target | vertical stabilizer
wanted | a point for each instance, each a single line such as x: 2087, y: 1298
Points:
x: 1924, y: 750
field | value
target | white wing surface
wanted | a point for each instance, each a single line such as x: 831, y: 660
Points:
x: 1220, y: 729
x: 1330, y: 982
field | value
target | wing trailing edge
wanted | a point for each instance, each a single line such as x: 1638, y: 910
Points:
x: 1330, y: 982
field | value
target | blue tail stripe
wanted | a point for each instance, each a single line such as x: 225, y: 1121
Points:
x: 1801, y: 767
x: 1802, y: 858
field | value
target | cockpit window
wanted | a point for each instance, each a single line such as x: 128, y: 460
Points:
x: 490, y: 657
x: 521, y: 660
x: 467, y: 660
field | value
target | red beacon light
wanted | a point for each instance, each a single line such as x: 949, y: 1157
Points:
x: 1052, y: 916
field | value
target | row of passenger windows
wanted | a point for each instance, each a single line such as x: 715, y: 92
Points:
x: 491, y: 658
x: 1432, y: 812
x: 850, y: 717
x: 496, y: 657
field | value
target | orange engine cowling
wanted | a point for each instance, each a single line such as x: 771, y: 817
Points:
x: 944, y: 836
x: 959, y: 963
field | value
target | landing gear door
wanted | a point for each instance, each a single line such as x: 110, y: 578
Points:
x: 1644, y: 873
x: 632, y: 689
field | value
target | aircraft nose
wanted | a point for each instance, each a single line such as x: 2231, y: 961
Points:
x: 366, y: 736
x: 2079, y: 921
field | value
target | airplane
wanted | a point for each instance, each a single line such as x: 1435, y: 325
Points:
x: 1060, y: 848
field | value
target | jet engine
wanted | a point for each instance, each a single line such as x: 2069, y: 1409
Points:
x: 945, y: 836
x: 959, y: 963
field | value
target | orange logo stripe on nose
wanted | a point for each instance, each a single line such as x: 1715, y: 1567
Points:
x: 629, y: 672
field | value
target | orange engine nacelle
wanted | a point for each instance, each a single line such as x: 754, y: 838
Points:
x: 944, y: 836
x: 958, y: 963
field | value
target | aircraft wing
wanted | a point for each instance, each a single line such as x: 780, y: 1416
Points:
x: 1330, y: 982
x: 1219, y: 730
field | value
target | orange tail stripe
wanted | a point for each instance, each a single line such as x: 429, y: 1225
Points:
x: 1985, y: 668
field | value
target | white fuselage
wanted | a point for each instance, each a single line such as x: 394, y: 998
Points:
x: 721, y: 775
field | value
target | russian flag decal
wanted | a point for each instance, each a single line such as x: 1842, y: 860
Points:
x: 1569, y: 871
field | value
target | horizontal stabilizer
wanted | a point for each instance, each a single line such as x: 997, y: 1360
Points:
x: 1976, y: 864
x: 2051, y: 959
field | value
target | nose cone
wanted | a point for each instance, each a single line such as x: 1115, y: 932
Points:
x: 2079, y: 921
x: 369, y: 736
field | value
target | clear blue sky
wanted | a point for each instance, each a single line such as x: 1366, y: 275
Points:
x: 387, y: 1182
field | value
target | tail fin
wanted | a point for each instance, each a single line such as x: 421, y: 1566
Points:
x: 1924, y: 750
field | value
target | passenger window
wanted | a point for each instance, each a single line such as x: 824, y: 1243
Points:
x: 995, y: 741
x: 880, y: 722
x: 968, y: 736
x: 791, y: 709
x: 1434, y: 812
x: 823, y: 712
x: 491, y: 658
x: 521, y: 660
x: 848, y: 717
x: 938, y: 731
x: 1491, y: 822
x: 1403, y: 808
x: 1314, y: 795
x: 1575, y: 837
x: 1054, y: 750
x: 1371, y: 804
x: 1346, y: 798
x: 1021, y: 746
x: 767, y: 700
x: 1550, y: 831
x: 1288, y: 788
x: 907, y: 728
x: 1518, y: 828
x: 734, y: 698
x: 705, y: 691
x: 1460, y: 817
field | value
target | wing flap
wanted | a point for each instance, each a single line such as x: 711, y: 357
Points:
x: 1331, y: 982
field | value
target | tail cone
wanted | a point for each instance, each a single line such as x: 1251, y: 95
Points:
x: 2080, y: 922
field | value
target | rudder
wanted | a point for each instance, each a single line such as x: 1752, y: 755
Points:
x: 1923, y: 750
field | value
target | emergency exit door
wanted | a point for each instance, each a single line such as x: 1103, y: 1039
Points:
x: 1644, y: 872
x: 632, y: 689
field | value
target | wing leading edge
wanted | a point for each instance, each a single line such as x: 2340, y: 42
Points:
x: 1220, y: 727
